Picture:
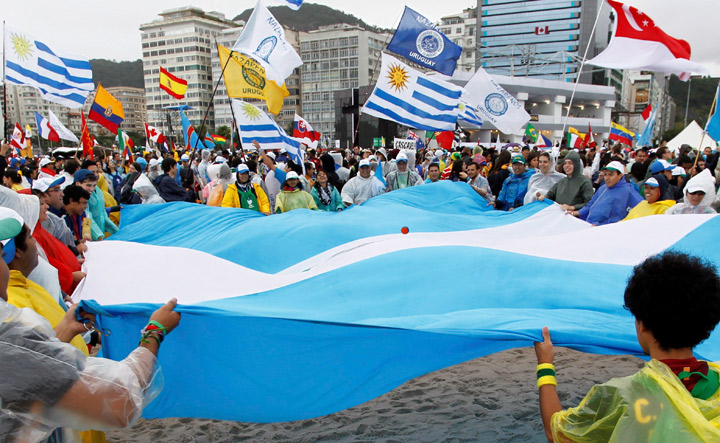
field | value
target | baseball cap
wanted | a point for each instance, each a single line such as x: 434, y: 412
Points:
x: 679, y: 171
x: 519, y: 159
x: 242, y: 167
x: 694, y: 187
x: 154, y: 162
x: 661, y: 165
x: 290, y: 175
x: 184, y: 158
x: 83, y: 174
x: 271, y: 155
x: 283, y: 151
x: 11, y: 224
x: 401, y: 157
x: 220, y: 159
x: 43, y: 184
x: 45, y: 161
x: 652, y: 182
x: 616, y: 166
x: 364, y: 162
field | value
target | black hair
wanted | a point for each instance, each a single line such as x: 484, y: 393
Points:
x: 38, y: 193
x: 437, y: 165
x: 74, y: 193
x: 477, y: 165
x: 89, y: 178
x: 309, y: 165
x: 138, y: 167
x: 13, y: 175
x: 502, y: 159
x: 677, y: 298
x: 21, y: 238
x: 71, y: 166
x: 544, y: 154
x: 531, y: 156
x: 252, y: 165
x: 167, y: 164
x: 87, y: 163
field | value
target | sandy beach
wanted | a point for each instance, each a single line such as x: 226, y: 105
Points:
x: 488, y: 399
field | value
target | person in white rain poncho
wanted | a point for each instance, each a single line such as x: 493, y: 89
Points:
x: 362, y: 187
x: 147, y: 191
x: 48, y: 384
x: 541, y: 182
x: 202, y: 168
x: 699, y: 196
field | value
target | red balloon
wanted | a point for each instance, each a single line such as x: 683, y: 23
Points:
x: 404, y: 230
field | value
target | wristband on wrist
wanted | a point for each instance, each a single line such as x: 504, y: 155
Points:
x: 545, y: 375
x: 546, y: 380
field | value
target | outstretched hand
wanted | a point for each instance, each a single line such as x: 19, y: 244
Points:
x: 544, y: 350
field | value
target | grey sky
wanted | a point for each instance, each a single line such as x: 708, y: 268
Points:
x: 104, y: 29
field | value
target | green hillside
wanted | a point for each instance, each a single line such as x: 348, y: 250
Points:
x: 311, y: 16
x: 111, y: 73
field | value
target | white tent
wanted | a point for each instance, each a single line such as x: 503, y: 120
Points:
x: 691, y: 135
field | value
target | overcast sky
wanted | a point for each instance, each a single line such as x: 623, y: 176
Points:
x: 100, y: 29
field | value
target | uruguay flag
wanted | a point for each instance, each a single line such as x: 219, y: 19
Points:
x: 305, y: 322
x: 469, y: 115
x: 45, y: 130
x: 409, y: 97
x: 254, y: 124
x: 61, y: 77
x: 419, y: 40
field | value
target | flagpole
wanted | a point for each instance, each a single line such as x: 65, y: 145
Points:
x: 4, y: 102
x: 207, y: 110
x: 702, y: 139
x: 582, y: 63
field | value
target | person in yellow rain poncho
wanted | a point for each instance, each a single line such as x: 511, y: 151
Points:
x: 674, y: 397
x: 657, y: 199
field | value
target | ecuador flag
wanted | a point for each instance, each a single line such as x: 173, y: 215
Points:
x: 245, y: 78
x: 173, y: 85
x: 621, y: 134
x: 106, y: 110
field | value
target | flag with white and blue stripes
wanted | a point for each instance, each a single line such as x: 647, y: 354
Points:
x: 409, y: 97
x: 60, y: 76
x: 469, y: 115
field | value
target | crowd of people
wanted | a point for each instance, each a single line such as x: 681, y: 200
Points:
x: 52, y: 207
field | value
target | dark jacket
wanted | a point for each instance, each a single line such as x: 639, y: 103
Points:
x: 575, y: 191
x: 170, y: 190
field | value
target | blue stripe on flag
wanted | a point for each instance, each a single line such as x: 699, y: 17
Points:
x: 440, y: 106
x: 406, y: 121
x: 69, y: 62
x: 266, y: 127
x: 261, y: 140
x: 63, y: 71
x: 421, y: 81
x: 448, y: 118
x: 72, y: 96
x: 49, y: 82
x: 113, y: 118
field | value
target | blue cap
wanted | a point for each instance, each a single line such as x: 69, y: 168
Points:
x: 83, y: 174
x: 659, y: 166
x: 143, y: 163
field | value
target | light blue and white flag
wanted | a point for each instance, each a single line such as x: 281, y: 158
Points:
x: 263, y: 39
x: 645, y: 138
x: 713, y: 125
x: 302, y: 324
x: 409, y: 97
x: 60, y: 76
x: 468, y: 114
x: 254, y: 124
x: 494, y: 104
x: 292, y: 4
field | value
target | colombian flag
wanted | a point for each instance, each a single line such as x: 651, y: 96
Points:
x: 621, y: 134
x: 175, y: 86
x: 106, y: 110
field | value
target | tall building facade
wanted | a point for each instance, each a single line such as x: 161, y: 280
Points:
x: 461, y: 29
x: 643, y: 89
x: 542, y: 38
x: 181, y: 41
x: 221, y: 102
x: 336, y: 58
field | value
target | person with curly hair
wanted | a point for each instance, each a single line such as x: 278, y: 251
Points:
x: 675, y: 299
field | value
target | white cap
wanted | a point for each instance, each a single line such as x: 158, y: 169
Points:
x: 45, y: 183
x: 372, y: 158
x: 439, y: 153
x: 364, y: 162
x: 45, y: 161
x: 291, y: 175
x: 401, y: 157
x: 242, y: 167
x: 220, y: 159
x: 617, y: 166
x: 154, y: 162
x: 679, y: 171
x: 184, y: 158
x: 283, y: 151
x: 271, y: 155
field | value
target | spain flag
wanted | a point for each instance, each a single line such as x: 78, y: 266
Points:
x: 175, y: 86
x: 106, y: 110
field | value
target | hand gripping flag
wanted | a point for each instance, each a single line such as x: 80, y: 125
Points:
x: 87, y: 142
x: 45, y: 129
x: 245, y: 78
x: 175, y: 86
x: 254, y: 124
x: 63, y: 132
x: 419, y: 40
x: 305, y: 133
x: 409, y: 97
x: 494, y: 104
x: 639, y: 44
x: 621, y: 134
x: 263, y: 39
x: 154, y: 134
x: 61, y: 77
x: 106, y: 110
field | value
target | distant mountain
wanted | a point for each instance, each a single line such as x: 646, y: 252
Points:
x: 310, y: 17
x: 702, y: 91
x: 111, y: 73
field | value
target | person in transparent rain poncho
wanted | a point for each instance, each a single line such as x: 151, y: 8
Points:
x: 146, y: 190
x: 47, y: 384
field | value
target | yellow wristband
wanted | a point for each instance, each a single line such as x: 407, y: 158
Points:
x: 547, y: 380
x: 545, y: 366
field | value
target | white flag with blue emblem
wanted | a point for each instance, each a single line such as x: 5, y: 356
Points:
x: 292, y: 4
x: 409, y: 97
x: 60, y: 76
x: 494, y: 104
x: 263, y: 39
x: 254, y: 124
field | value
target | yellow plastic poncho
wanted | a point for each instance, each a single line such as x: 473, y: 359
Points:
x: 643, y: 209
x: 651, y: 405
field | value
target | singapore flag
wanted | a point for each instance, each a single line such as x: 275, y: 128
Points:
x: 638, y: 44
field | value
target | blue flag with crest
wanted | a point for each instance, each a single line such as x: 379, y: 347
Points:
x: 420, y: 41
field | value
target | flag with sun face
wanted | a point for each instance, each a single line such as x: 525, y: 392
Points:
x: 409, y: 97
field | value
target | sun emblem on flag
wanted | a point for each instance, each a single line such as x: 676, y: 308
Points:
x: 22, y: 46
x: 398, y: 77
x: 251, y: 111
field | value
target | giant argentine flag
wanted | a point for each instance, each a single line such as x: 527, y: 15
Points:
x: 60, y: 76
x: 306, y: 313
x: 409, y: 97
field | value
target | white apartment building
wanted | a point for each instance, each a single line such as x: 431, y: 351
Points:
x: 134, y: 108
x: 221, y: 102
x: 24, y: 101
x: 335, y: 58
x: 461, y: 29
x: 181, y: 41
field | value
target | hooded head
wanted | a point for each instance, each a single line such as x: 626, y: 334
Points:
x: 574, y: 157
x: 664, y: 186
x: 206, y: 155
x: 705, y: 182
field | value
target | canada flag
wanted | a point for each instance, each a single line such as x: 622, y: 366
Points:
x: 640, y: 45
x: 542, y: 30
x: 154, y: 134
